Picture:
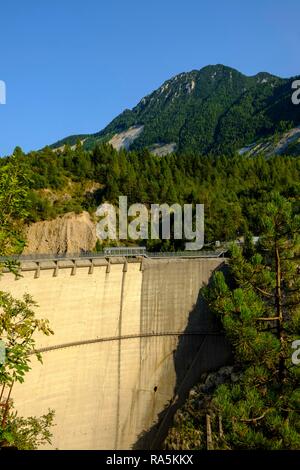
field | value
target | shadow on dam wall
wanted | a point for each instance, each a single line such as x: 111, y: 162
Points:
x: 123, y: 360
x: 194, y: 355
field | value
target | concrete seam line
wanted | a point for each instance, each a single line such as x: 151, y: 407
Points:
x: 119, y: 356
x: 118, y: 338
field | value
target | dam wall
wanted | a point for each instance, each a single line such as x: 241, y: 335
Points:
x: 130, y: 338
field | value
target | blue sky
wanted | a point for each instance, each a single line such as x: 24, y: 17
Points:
x: 70, y: 66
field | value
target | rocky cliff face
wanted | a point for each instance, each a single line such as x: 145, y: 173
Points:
x: 71, y: 233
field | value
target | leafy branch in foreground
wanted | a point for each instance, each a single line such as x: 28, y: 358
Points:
x: 18, y: 321
x: 27, y: 433
x: 18, y: 324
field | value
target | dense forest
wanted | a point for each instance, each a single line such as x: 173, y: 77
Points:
x: 234, y: 190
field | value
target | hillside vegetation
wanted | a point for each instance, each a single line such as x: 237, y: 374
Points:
x: 213, y: 110
x: 234, y: 190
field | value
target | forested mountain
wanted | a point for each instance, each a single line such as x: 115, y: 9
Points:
x: 213, y: 110
x: 203, y: 122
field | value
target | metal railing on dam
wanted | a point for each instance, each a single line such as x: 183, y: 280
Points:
x: 126, y: 254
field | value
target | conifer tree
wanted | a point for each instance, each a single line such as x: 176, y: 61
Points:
x: 260, y: 312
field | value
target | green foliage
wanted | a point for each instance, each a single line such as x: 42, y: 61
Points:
x: 216, y: 109
x: 13, y: 204
x: 257, y: 405
x: 18, y: 322
x: 27, y: 433
x: 234, y: 190
x: 261, y: 410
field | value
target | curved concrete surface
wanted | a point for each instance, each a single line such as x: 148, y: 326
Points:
x: 126, y: 338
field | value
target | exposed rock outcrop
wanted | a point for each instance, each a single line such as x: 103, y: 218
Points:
x: 126, y: 138
x: 70, y: 233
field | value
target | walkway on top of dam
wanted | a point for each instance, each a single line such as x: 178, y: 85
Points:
x: 36, y: 257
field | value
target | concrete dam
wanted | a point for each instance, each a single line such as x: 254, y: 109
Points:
x: 131, y: 337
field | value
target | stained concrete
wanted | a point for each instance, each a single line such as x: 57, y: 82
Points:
x: 113, y: 388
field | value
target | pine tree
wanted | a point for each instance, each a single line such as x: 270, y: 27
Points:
x: 260, y: 312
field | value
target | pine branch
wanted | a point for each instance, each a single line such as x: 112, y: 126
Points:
x: 267, y: 294
x: 267, y: 318
x: 254, y: 420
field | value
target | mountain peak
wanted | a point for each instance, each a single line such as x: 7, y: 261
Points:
x: 215, y: 109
